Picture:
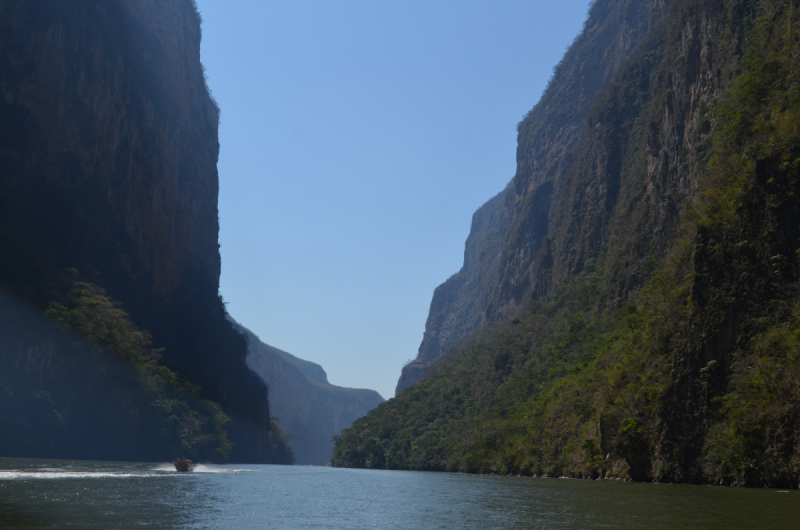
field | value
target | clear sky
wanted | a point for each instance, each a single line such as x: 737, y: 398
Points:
x: 357, y: 139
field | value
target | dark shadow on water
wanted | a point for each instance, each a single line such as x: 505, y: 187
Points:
x: 11, y: 518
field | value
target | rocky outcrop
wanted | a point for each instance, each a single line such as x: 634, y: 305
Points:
x: 511, y: 237
x: 108, y: 151
x: 459, y: 304
x: 308, y: 409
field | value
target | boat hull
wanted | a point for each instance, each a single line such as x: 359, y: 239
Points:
x: 183, y: 466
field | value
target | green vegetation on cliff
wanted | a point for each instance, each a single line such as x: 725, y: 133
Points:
x: 62, y: 384
x: 195, y: 430
x: 669, y: 353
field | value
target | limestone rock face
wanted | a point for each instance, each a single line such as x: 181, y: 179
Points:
x: 508, y: 255
x: 108, y: 164
x: 459, y: 304
x: 105, y: 104
x: 645, y: 288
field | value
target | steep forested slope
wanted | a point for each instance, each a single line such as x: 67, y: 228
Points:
x: 308, y: 409
x: 108, y: 151
x: 650, y: 325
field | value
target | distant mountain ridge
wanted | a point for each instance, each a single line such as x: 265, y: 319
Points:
x: 308, y: 409
x: 313, y: 371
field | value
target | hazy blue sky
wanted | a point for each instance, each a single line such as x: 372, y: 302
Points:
x: 357, y: 138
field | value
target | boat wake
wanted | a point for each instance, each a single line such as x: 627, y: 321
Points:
x: 199, y: 468
x: 210, y: 468
x: 158, y: 470
x: 54, y: 475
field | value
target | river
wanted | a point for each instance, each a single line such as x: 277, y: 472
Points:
x: 38, y: 494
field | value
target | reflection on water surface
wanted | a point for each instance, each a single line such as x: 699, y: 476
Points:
x: 68, y: 494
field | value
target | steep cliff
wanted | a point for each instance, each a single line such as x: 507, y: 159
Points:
x: 108, y: 150
x: 501, y: 258
x: 308, y: 409
x: 644, y: 319
x: 459, y: 304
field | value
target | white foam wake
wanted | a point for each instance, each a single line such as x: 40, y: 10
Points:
x: 50, y: 475
x: 209, y: 468
x: 159, y: 470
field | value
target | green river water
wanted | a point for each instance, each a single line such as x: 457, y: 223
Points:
x: 38, y: 494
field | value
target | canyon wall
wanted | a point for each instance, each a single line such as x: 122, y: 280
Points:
x: 502, y: 257
x: 108, y: 152
x: 643, y: 321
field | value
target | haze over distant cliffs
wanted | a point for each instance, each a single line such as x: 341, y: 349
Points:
x: 310, y: 410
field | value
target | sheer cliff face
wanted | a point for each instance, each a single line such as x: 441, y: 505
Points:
x: 108, y: 152
x: 459, y: 304
x: 657, y: 320
x: 106, y: 101
x: 627, y: 185
x: 503, y: 253
x: 548, y: 136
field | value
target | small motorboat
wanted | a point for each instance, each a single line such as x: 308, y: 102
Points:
x: 183, y: 465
